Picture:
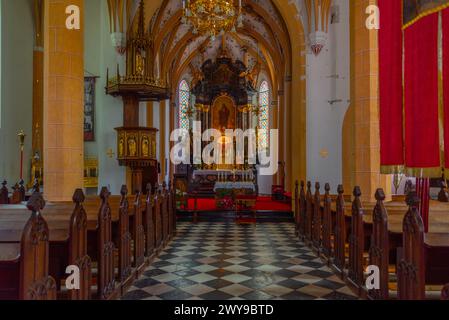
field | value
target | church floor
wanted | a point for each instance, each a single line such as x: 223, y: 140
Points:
x: 222, y: 261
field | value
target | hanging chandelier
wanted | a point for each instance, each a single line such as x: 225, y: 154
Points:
x: 212, y: 17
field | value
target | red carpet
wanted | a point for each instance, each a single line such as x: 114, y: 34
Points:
x: 262, y: 204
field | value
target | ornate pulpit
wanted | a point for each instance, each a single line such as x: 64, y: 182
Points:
x: 136, y: 146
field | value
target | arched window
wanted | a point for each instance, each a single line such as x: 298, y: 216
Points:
x: 184, y: 100
x: 264, y: 115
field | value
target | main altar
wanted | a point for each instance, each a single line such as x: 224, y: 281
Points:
x: 223, y: 96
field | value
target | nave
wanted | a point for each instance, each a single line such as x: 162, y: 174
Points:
x: 228, y: 261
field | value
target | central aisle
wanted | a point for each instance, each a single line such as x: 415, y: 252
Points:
x: 221, y: 261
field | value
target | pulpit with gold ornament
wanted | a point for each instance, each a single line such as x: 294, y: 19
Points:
x: 136, y: 145
x: 136, y: 149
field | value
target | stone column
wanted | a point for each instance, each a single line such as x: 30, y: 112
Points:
x: 365, y: 99
x: 63, y: 102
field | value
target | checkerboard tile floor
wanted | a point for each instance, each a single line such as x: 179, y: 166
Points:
x: 225, y: 261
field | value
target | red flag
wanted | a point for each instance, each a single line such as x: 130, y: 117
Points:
x: 390, y: 86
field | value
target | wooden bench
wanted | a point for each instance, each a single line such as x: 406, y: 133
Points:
x: 424, y: 258
x: 24, y: 270
x: 67, y: 241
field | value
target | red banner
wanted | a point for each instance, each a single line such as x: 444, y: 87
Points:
x: 445, y: 23
x: 390, y: 86
x: 422, y: 152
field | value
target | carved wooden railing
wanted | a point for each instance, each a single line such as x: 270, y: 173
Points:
x: 164, y: 213
x: 149, y: 223
x: 124, y: 237
x: 302, y: 211
x: 157, y: 218
x: 327, y: 223
x: 410, y: 269
x: 296, y: 207
x: 78, y: 248
x: 106, y: 281
x: 339, y: 261
x: 379, y: 249
x: 316, y: 232
x: 138, y: 233
x: 35, y: 282
x: 356, y: 241
x: 309, y: 213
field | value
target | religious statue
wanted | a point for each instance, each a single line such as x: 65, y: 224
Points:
x: 140, y: 63
x: 197, y: 76
x: 132, y: 147
x: 121, y: 147
x: 251, y: 75
x: 145, y: 147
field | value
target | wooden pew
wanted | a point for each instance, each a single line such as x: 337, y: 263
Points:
x: 164, y: 213
x: 327, y: 224
x: 309, y: 213
x: 158, y: 219
x: 18, y: 195
x: 445, y: 293
x: 356, y: 243
x: 102, y: 249
x: 24, y: 270
x: 149, y: 224
x: 171, y: 211
x: 67, y: 242
x: 138, y: 234
x: 302, y: 212
x: 4, y: 193
x: 316, y: 224
x: 339, y: 258
x: 125, y: 274
x: 424, y: 258
x: 379, y: 249
x: 296, y: 212
x: 77, y: 248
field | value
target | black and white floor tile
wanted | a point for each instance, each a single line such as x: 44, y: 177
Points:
x: 226, y: 261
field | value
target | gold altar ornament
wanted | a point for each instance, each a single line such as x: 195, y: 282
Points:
x: 212, y: 17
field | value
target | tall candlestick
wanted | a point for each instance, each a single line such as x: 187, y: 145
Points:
x: 21, y: 136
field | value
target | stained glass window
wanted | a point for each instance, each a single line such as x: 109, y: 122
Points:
x: 184, y: 100
x: 264, y: 115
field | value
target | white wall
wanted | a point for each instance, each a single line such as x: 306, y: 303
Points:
x: 328, y: 79
x: 100, y: 55
x: 16, y: 86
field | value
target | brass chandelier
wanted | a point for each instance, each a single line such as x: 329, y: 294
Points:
x: 212, y: 17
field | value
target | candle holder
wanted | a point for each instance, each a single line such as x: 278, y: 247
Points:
x: 22, y: 137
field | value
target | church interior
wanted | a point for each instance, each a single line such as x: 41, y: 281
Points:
x: 224, y: 150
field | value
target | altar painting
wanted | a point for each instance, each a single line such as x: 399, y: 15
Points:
x: 223, y: 114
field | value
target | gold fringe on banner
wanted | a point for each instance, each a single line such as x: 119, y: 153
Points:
x: 395, y: 169
x: 424, y: 172
x: 434, y: 7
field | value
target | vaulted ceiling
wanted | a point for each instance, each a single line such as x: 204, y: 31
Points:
x: 262, y: 41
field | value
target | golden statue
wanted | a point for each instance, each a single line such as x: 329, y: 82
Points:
x: 132, y: 147
x: 140, y: 63
x: 121, y: 147
x: 145, y: 147
x: 197, y: 76
x: 252, y: 75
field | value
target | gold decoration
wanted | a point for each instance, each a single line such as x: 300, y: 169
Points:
x: 145, y: 147
x: 212, y: 17
x: 91, y: 172
x: 22, y: 137
x: 132, y: 146
x: 121, y: 147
